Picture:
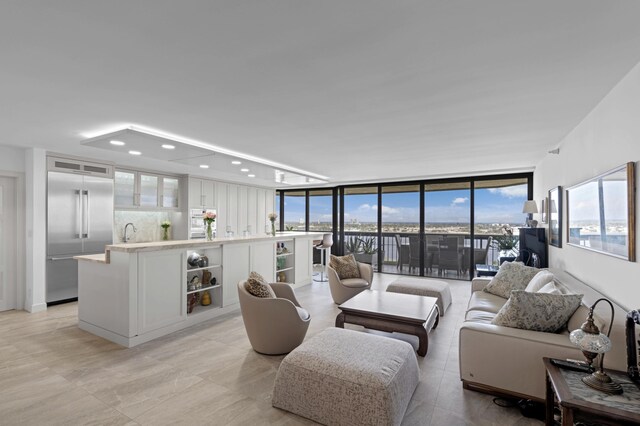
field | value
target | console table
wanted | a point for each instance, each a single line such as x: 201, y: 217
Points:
x: 579, y: 401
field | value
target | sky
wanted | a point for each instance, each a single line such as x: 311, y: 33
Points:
x: 494, y: 205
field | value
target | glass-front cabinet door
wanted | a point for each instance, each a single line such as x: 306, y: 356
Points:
x: 148, y: 190
x: 125, y: 188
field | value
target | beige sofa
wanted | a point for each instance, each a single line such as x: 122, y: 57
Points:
x: 508, y: 361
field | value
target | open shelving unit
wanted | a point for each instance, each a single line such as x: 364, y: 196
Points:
x: 285, y: 261
x: 196, y: 277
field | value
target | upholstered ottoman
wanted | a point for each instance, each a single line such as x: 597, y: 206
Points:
x: 424, y: 287
x: 347, y: 377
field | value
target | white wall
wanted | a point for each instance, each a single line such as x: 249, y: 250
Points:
x: 36, y: 228
x: 608, y: 137
x: 11, y: 159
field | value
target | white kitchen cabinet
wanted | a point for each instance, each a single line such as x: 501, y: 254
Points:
x: 261, y: 210
x: 202, y: 193
x: 236, y: 261
x: 232, y: 208
x: 252, y: 211
x: 242, y: 209
x: 263, y: 261
x: 221, y: 206
x: 161, y: 289
x: 146, y: 191
x: 303, y: 260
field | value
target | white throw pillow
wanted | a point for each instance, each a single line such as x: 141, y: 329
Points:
x: 541, y: 279
x: 549, y: 288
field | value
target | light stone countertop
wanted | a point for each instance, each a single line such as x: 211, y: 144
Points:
x: 186, y: 244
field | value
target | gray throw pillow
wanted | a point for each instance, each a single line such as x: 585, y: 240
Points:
x: 537, y: 311
x: 345, y: 266
x: 510, y: 276
x: 258, y: 286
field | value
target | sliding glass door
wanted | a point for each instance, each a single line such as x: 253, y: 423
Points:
x: 361, y: 223
x: 400, y: 227
x: 447, y: 226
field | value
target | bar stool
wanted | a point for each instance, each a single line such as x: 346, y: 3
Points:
x: 327, y: 242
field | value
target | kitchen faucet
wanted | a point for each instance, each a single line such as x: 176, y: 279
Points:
x: 126, y: 239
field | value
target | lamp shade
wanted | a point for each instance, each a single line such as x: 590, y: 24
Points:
x: 530, y: 206
x: 597, y: 343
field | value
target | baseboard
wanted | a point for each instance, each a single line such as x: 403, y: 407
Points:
x: 38, y: 307
x: 478, y: 387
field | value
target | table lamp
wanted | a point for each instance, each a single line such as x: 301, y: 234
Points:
x: 593, y: 343
x: 530, y: 207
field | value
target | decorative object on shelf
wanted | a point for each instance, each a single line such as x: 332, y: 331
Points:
x: 204, y: 261
x: 209, y: 217
x: 272, y: 217
x: 282, y: 277
x: 530, y: 207
x: 192, y: 301
x: 206, y: 298
x: 213, y: 281
x: 206, y: 277
x: 195, y: 283
x: 165, y: 230
x: 280, y: 262
x: 194, y: 260
x: 592, y: 342
x: 601, y: 213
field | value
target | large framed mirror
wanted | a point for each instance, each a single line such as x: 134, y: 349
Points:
x: 601, y: 213
x: 555, y: 216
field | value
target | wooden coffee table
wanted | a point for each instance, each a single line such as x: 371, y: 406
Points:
x: 392, y: 312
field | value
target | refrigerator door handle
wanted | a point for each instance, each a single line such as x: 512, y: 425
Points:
x: 86, y: 220
x: 78, y: 213
x: 54, y: 258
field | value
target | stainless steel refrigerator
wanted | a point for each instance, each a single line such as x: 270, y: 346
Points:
x: 79, y: 221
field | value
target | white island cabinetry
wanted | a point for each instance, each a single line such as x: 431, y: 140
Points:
x: 141, y: 291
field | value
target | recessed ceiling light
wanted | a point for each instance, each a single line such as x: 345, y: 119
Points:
x: 204, y: 166
x: 244, y: 170
x: 167, y: 146
x: 251, y: 175
x: 135, y: 152
x: 236, y: 162
x: 116, y: 143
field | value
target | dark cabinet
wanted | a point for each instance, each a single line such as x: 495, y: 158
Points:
x: 533, y: 247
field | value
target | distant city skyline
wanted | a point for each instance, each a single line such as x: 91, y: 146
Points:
x: 492, y: 206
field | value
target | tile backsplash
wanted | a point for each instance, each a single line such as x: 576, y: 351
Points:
x: 146, y: 223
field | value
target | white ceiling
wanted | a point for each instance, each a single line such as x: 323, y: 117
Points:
x: 358, y: 90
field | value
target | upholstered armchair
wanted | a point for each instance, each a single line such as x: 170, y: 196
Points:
x: 274, y: 326
x: 343, y: 290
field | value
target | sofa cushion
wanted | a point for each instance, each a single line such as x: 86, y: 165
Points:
x: 258, y: 286
x: 541, y: 279
x: 354, y: 282
x: 345, y: 266
x: 510, y: 276
x: 481, y: 301
x: 537, y: 311
x: 479, y: 316
x: 303, y: 313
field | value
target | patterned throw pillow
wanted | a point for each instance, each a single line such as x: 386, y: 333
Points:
x: 510, y: 276
x: 537, y: 311
x: 258, y: 286
x: 345, y: 266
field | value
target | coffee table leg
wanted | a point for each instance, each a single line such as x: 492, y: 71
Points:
x: 423, y: 339
x: 340, y: 320
x: 435, y: 324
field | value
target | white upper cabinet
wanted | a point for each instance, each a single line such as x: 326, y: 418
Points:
x: 202, y: 193
x: 142, y: 190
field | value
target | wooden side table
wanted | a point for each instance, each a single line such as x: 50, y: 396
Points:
x: 578, y: 401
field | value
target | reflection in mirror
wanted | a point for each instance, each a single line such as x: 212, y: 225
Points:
x: 602, y: 213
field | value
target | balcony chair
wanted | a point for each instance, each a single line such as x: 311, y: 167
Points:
x: 343, y: 290
x: 431, y: 253
x: 479, y: 256
x: 414, y: 253
x: 450, y: 258
x: 403, y: 252
x: 274, y: 325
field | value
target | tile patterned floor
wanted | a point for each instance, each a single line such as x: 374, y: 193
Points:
x: 52, y: 373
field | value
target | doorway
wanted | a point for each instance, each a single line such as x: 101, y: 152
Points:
x: 8, y: 240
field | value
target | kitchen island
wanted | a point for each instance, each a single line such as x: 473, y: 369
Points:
x: 137, y: 292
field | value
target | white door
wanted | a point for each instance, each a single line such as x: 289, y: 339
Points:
x: 8, y: 234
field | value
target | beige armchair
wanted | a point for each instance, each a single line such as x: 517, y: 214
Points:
x: 274, y: 326
x: 343, y: 290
